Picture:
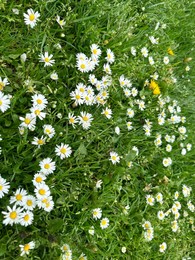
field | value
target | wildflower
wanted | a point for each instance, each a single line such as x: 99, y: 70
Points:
x: 130, y: 112
x: 38, y: 141
x: 151, y: 60
x: 174, y: 226
x: 166, y: 60
x: 47, y: 59
x: 4, y: 187
x: 189, y: 147
x: 65, y: 248
x: 67, y: 255
x: 47, y: 166
x: 133, y: 51
x: 110, y: 56
x: 77, y: 96
x: 46, y: 202
x: 28, y: 121
x: 60, y: 22
x: 134, y: 92
x: 170, y: 52
x: 3, y: 83
x: 104, y: 223
x: 25, y: 249
x: 85, y: 120
x: 147, y: 225
x: 49, y: 130
x: 91, y: 230
x: 160, y: 215
x: 28, y: 202
x: 186, y: 191
x: 107, y: 112
x: 95, y: 50
x: 98, y: 184
x: 163, y: 247
x: 83, y: 65
x: 114, y: 158
x: 176, y: 195
x: 129, y: 125
x: 153, y: 40
x: 82, y: 257
x: 182, y: 130
x: 63, y: 150
x: 183, y: 151
x: 123, y: 249
x: 159, y: 198
x: 97, y: 213
x: 150, y: 200
x: 168, y: 148
x: 144, y: 52
x: 12, y: 216
x: 31, y: 17
x: 39, y: 101
x: 117, y: 130
x: 42, y: 191
x: 92, y: 79
x: 38, y: 178
x: 191, y: 207
x: 54, y: 76
x: 167, y: 162
x: 149, y: 234
x: 4, y: 101
x: 26, y: 218
x: 19, y: 194
x: 187, y: 68
x: 107, y: 69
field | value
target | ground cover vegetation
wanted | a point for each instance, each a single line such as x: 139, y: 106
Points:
x: 97, y: 129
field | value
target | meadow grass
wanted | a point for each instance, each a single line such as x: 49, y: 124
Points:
x: 89, y: 185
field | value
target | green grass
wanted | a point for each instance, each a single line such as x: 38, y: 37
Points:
x: 115, y: 25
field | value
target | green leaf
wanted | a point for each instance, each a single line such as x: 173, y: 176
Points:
x: 55, y: 225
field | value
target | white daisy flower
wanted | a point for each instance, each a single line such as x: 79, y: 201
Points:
x: 97, y: 213
x: 54, y: 76
x: 85, y: 120
x: 104, y: 223
x: 3, y: 83
x: 167, y: 162
x: 28, y: 202
x: 163, y: 247
x: 4, y: 187
x: 107, y: 112
x: 25, y: 249
x: 28, y: 121
x: 19, y: 194
x: 133, y: 51
x: 110, y: 56
x: 42, y: 191
x: 60, y: 22
x: 31, y: 17
x: 95, y: 50
x: 77, y: 96
x: 114, y: 157
x: 46, y: 203
x: 72, y: 119
x: 83, y: 65
x: 160, y: 215
x: 4, y: 102
x: 166, y: 60
x: 150, y: 200
x: 36, y: 111
x: 47, y: 59
x: 49, y: 130
x: 38, y: 178
x: 26, y: 218
x: 39, y: 101
x: 47, y: 166
x: 63, y: 150
x: 147, y: 225
x: 39, y: 141
x: 12, y: 216
x: 144, y: 52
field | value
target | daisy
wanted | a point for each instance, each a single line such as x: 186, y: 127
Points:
x: 167, y: 162
x: 54, y: 76
x: 49, y: 130
x: 38, y: 178
x: 42, y: 191
x: 36, y: 111
x: 110, y: 56
x: 60, y: 22
x: 28, y: 121
x: 114, y: 158
x: 19, y: 194
x: 160, y: 215
x: 4, y: 187
x: 153, y: 40
x: 107, y: 69
x: 85, y: 120
x: 83, y: 65
x: 174, y: 226
x: 97, y: 213
x: 65, y: 248
x: 28, y: 202
x: 92, y: 79
x: 186, y: 190
x: 38, y: 141
x: 166, y: 60
x: 67, y: 255
x: 47, y: 166
x: 104, y: 223
x: 4, y: 102
x: 95, y: 50
x: 150, y: 200
x: 25, y: 249
x: 182, y: 130
x: 149, y: 234
x: 159, y: 198
x: 39, y: 101
x: 12, y: 216
x: 168, y: 148
x: 77, y: 96
x: 88, y: 99
x: 63, y: 150
x: 129, y: 125
x: 130, y: 112
x: 26, y: 218
x: 3, y: 83
x: 107, y: 112
x: 46, y: 203
x: 134, y: 92
x: 144, y: 52
x: 163, y: 247
x: 82, y: 257
x: 47, y: 59
x: 151, y: 60
x: 72, y: 119
x: 147, y: 225
x: 31, y: 17
x: 133, y: 51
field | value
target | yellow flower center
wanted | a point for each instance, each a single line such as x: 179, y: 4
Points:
x: 47, y: 166
x: 26, y: 217
x: 47, y: 131
x: 29, y: 202
x: 63, y: 150
x: 109, y: 56
x: 65, y: 248
x: 2, y: 85
x: 1, y: 187
x: 71, y: 120
x: 38, y: 179
x: 47, y: 59
x: 31, y: 17
x: 19, y: 196
x: 81, y: 258
x: 95, y: 213
x: 78, y: 96
x: 13, y: 215
x: 95, y: 51
x: 39, y: 101
x: 40, y: 141
x: 26, y: 247
x: 27, y: 121
x: 82, y: 90
x: 150, y: 200
x: 83, y: 66
x: 104, y: 222
x: 85, y: 118
x: 42, y: 192
x: 147, y: 225
x: 37, y: 112
x: 114, y: 157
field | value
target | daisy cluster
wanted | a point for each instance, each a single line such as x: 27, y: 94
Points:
x: 180, y: 210
x: 104, y: 222
x: 67, y: 253
x: 96, y: 92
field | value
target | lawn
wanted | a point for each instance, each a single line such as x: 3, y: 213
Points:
x: 97, y: 124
